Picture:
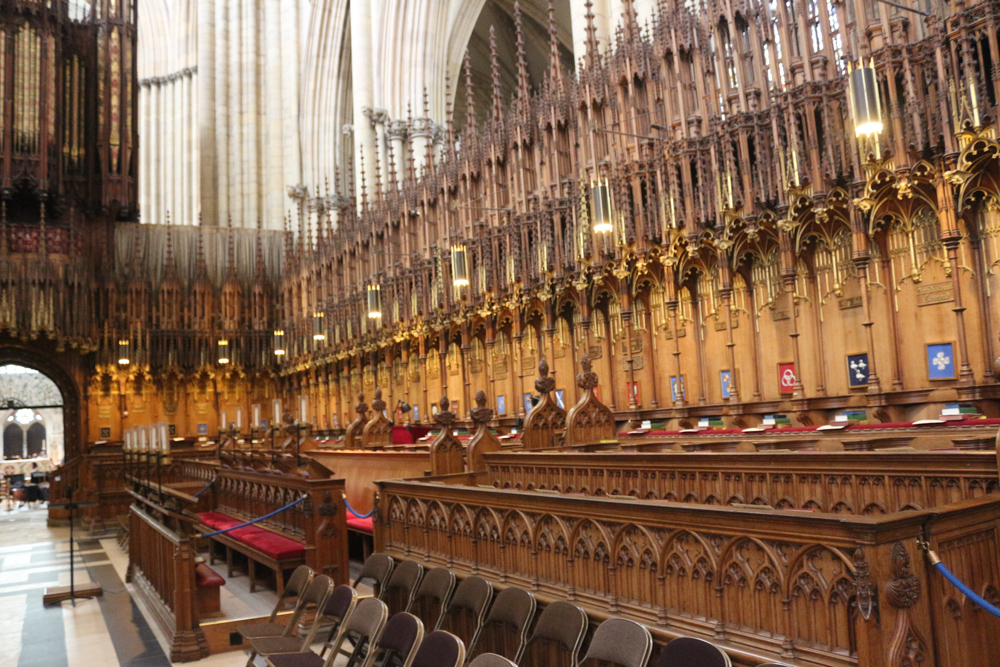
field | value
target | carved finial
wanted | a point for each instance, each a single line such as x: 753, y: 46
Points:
x: 481, y: 414
x: 378, y: 405
x: 544, y: 384
x: 444, y: 404
x: 230, y: 251
x: 444, y: 415
x: 588, y: 378
x: 364, y: 189
x: 170, y: 268
x: 259, y: 250
x: 361, y: 407
x: 903, y: 589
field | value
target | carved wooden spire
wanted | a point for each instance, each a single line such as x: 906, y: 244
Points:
x: 523, y: 82
x: 593, y: 54
x: 495, y: 72
x: 170, y: 266
x: 555, y: 69
x: 260, y: 267
x: 470, y: 101
x: 230, y: 251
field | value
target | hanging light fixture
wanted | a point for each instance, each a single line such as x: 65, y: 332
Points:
x: 123, y: 359
x: 374, y: 302
x: 601, y: 207
x: 223, y: 351
x: 319, y: 331
x: 459, y: 266
x: 865, y: 104
x: 279, y: 343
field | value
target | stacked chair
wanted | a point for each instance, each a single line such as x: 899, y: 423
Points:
x: 418, y: 619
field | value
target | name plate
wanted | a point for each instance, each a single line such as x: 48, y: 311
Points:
x: 928, y: 295
x: 849, y: 302
x: 777, y: 315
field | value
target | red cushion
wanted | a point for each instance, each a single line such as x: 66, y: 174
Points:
x: 276, y: 546
x: 206, y: 577
x: 217, y: 520
x: 362, y: 525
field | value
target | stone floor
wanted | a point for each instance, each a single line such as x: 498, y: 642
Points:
x: 110, y: 630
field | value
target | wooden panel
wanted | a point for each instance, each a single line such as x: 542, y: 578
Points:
x: 361, y: 469
x: 776, y: 584
x: 843, y: 482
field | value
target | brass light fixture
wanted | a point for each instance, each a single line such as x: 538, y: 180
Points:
x: 866, y: 107
x: 223, y: 351
x: 601, y: 207
x: 279, y: 343
x: 319, y: 331
x: 123, y: 359
x: 374, y: 302
x: 459, y: 266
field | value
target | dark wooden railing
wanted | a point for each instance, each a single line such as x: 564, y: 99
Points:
x: 161, y: 566
x: 807, y: 588
x: 843, y: 483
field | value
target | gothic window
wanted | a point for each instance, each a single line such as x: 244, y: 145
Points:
x: 835, y: 38
x: 815, y: 27
x: 793, y: 29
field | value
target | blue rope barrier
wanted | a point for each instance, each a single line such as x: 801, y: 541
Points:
x: 253, y: 521
x: 207, y: 487
x: 355, y: 512
x: 971, y: 594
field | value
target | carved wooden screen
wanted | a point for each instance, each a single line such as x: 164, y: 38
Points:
x: 352, y: 438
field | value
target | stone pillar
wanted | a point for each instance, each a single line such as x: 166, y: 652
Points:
x: 222, y: 119
x: 362, y: 56
x: 207, y: 165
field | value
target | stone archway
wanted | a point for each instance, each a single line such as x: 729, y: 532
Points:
x: 23, y: 355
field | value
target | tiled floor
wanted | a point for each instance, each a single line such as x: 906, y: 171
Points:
x: 110, y: 630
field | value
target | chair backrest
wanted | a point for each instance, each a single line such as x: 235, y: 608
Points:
x: 340, y: 604
x: 363, y: 627
x: 692, y: 652
x: 378, y: 568
x: 505, y: 631
x: 440, y: 649
x: 557, y: 636
x: 402, y: 586
x: 622, y: 642
x: 467, y: 610
x: 319, y: 591
x: 401, y: 637
x: 297, y: 583
x: 433, y: 596
x: 491, y: 660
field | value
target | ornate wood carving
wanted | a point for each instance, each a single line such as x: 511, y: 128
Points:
x: 547, y: 420
x: 352, y: 438
x: 447, y: 451
x: 589, y: 420
x: 378, y: 431
x: 482, y: 441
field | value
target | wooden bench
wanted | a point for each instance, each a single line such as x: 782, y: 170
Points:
x: 272, y: 550
x: 207, y: 585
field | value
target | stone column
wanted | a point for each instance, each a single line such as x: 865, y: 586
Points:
x: 362, y: 56
x: 205, y: 129
x: 221, y: 117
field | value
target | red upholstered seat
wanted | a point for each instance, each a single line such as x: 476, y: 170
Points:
x: 361, y: 525
x: 217, y: 520
x: 276, y: 546
x: 206, y: 577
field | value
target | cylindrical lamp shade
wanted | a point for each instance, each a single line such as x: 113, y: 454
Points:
x: 374, y: 302
x: 601, y: 208
x: 123, y: 358
x: 459, y: 266
x: 279, y: 343
x: 865, y: 106
x: 223, y: 351
x: 319, y: 329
